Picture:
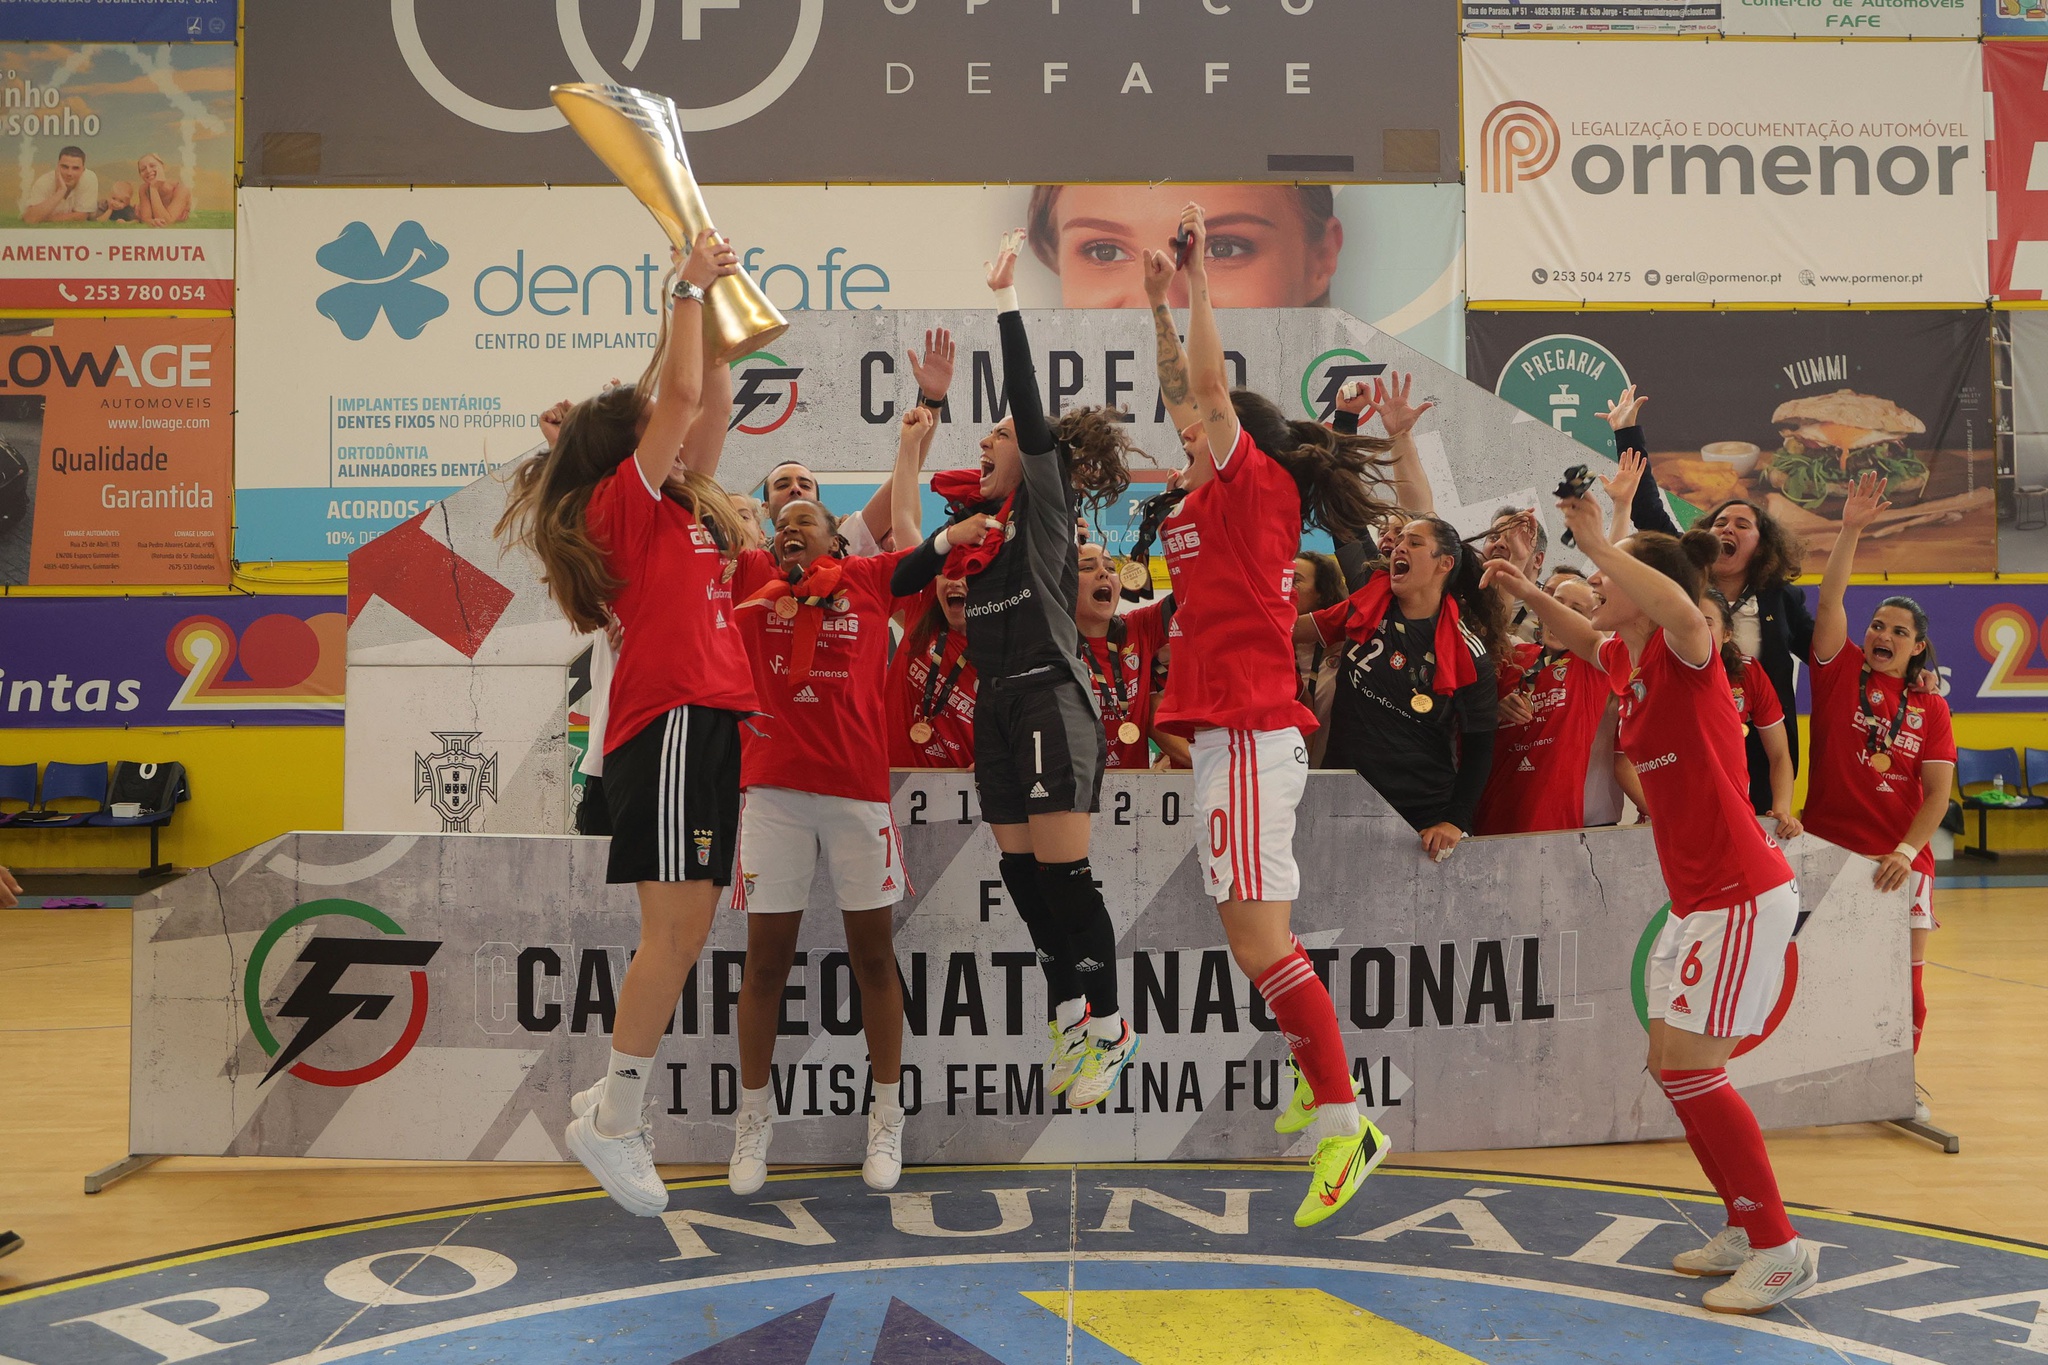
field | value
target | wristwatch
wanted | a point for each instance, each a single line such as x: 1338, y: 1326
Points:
x: 935, y: 404
x: 685, y: 292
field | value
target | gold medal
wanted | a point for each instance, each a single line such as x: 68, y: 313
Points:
x: 920, y: 732
x: 785, y: 607
x: 1422, y: 703
x: 1881, y: 762
x: 1135, y: 574
x: 1128, y: 732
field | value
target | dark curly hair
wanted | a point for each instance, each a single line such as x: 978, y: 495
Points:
x: 1779, y: 556
x: 1098, y: 447
x: 1335, y: 473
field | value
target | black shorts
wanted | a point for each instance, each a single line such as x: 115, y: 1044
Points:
x: 673, y: 792
x: 593, y: 816
x: 1037, y: 751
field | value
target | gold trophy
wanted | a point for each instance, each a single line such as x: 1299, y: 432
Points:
x: 640, y: 140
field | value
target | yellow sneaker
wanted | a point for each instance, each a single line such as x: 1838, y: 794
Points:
x: 1341, y: 1166
x: 1069, y: 1045
x: 1301, y: 1106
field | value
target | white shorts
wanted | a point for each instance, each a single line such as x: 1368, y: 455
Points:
x: 1717, y: 972
x: 781, y: 832
x: 1921, y: 879
x: 1247, y: 784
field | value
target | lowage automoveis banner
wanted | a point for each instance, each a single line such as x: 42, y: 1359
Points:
x: 1682, y: 172
x: 116, y: 453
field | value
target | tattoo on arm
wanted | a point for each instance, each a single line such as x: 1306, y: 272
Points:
x: 1173, y: 365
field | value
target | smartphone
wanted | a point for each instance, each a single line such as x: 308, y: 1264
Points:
x: 1183, y: 242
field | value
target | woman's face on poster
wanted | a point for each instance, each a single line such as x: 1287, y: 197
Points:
x: 1263, y: 252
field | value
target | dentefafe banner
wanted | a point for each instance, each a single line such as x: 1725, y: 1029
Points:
x: 154, y: 661
x: 1712, y: 172
x: 1743, y: 18
x: 781, y: 90
x: 1783, y: 408
x: 122, y: 21
x: 121, y: 188
x: 116, y: 450
x: 2015, y: 74
x: 406, y: 339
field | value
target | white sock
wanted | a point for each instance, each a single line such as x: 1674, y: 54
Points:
x: 624, y: 1093
x: 1787, y: 1252
x: 756, y: 1102
x: 888, y: 1095
x: 1070, y: 1012
x: 1109, y: 1026
x: 1339, y: 1120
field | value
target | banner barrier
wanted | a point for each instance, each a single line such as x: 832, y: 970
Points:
x: 2015, y: 74
x: 1736, y: 18
x: 1781, y: 407
x: 406, y: 341
x: 116, y: 450
x: 908, y: 92
x: 156, y: 661
x: 1660, y: 173
x: 1490, y: 1001
x: 122, y: 21
x: 123, y: 192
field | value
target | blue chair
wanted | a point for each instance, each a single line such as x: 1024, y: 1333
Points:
x: 1980, y: 768
x: 2037, y: 773
x: 18, y: 783
x: 71, y: 782
x: 157, y: 788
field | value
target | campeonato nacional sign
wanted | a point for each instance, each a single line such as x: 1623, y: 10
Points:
x: 1712, y: 172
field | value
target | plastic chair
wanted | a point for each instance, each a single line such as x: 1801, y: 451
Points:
x: 158, y: 788
x: 1980, y: 768
x: 70, y: 782
x: 18, y: 783
x: 2037, y: 772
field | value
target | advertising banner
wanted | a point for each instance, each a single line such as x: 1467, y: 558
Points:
x: 2015, y: 19
x: 799, y: 90
x: 1784, y: 408
x: 404, y: 341
x: 2015, y: 74
x: 121, y: 21
x: 1740, y: 18
x: 1488, y: 1002
x: 122, y: 195
x: 116, y: 450
x: 2023, y: 526
x: 1990, y: 640
x: 155, y: 661
x: 1712, y: 172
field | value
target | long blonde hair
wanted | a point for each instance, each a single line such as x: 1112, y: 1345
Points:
x: 547, y: 508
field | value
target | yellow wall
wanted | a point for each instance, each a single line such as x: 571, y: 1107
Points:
x: 248, y: 784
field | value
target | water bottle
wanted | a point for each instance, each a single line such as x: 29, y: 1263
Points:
x: 1998, y: 790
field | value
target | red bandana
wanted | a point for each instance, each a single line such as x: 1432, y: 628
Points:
x: 962, y: 488
x: 811, y: 594
x: 1454, y: 667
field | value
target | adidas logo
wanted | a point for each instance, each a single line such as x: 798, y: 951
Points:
x: 805, y: 694
x: 1744, y: 1204
x: 630, y: 1073
x: 1087, y: 964
x: 1678, y: 1006
x: 888, y: 883
x: 1526, y: 767
x: 1038, y: 789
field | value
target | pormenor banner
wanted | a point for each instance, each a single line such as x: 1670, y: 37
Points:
x: 2015, y: 74
x: 405, y: 341
x: 153, y: 661
x: 122, y: 194
x: 121, y: 21
x: 1735, y: 18
x: 1784, y: 408
x: 802, y: 90
x: 1711, y: 172
x: 1490, y: 1001
x: 116, y: 450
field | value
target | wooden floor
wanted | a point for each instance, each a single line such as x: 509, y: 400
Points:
x: 64, y: 1106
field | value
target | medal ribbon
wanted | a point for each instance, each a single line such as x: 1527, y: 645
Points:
x: 961, y: 488
x: 1110, y: 691
x: 1454, y: 667
x: 1872, y: 744
x: 930, y: 707
x: 811, y: 593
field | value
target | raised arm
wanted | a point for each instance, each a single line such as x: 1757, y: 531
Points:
x: 934, y: 375
x: 1647, y: 509
x: 1561, y: 625
x: 1399, y: 416
x: 1831, y: 621
x: 1020, y: 375
x: 915, y: 438
x: 1172, y: 361
x: 1662, y: 600
x: 679, y: 389
x: 704, y: 445
x: 1621, y: 491
x: 1209, y: 378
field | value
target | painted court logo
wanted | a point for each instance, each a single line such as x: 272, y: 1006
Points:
x: 1517, y: 142
x: 341, y: 984
x: 382, y: 279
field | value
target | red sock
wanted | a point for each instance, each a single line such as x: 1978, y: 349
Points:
x: 1706, y: 1102
x: 1919, y: 1005
x: 1300, y: 1004
x: 1705, y: 1156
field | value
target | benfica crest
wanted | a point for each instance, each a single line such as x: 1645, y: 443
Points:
x: 456, y: 779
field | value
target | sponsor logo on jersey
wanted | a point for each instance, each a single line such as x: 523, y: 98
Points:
x: 1525, y: 766
x: 1913, y: 717
x: 1679, y: 1006
x: 805, y: 694
x: 1661, y: 761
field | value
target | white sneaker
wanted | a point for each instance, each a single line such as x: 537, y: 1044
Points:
x: 623, y: 1165
x: 585, y: 1101
x: 884, y: 1165
x: 1764, y: 1282
x: 748, y: 1170
x: 1921, y: 1113
x: 1722, y: 1256
x: 1102, y: 1061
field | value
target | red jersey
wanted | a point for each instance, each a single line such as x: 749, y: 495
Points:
x: 1538, y: 780
x: 1849, y: 802
x: 1123, y: 680
x: 951, y: 707
x: 1756, y: 701
x: 680, y: 647
x: 1678, y: 726
x: 1230, y: 549
x: 824, y: 734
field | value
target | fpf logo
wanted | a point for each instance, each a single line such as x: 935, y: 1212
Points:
x: 382, y: 279
x: 1517, y: 141
x: 765, y: 384
x: 319, y: 999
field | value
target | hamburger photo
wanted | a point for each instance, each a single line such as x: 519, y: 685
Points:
x: 1829, y: 439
